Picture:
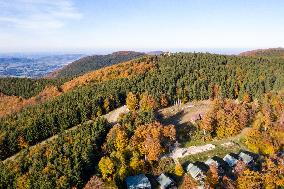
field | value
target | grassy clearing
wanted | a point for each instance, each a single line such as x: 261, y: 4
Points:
x: 219, y: 151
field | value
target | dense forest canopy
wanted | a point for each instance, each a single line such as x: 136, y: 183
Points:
x: 25, y: 87
x: 91, y: 63
x: 13, y: 104
x: 67, y: 161
x: 185, y: 76
x: 144, y: 84
x: 273, y: 52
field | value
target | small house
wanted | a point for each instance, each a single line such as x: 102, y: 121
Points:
x: 166, y: 182
x: 211, y: 161
x: 138, y: 182
x: 230, y: 160
x: 218, y: 162
x: 195, y: 172
x: 246, y: 158
x: 280, y: 154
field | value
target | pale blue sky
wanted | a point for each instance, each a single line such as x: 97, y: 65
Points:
x: 97, y: 25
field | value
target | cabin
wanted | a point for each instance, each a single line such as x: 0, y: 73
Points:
x: 138, y: 182
x: 211, y: 162
x: 246, y: 158
x: 195, y: 172
x: 218, y: 162
x: 280, y: 154
x: 166, y: 182
x: 230, y: 160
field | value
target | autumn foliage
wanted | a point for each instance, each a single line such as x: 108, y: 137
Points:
x: 122, y: 70
x: 127, y: 152
x: 132, y: 102
x: 267, y: 133
x: 13, y: 104
x: 226, y: 118
x: 188, y: 182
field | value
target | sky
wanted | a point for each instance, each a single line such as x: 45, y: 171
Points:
x: 141, y: 25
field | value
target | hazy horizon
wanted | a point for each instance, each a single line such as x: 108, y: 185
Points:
x: 111, y: 25
x: 226, y: 51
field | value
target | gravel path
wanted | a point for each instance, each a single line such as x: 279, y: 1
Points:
x: 182, y: 152
x: 114, y: 115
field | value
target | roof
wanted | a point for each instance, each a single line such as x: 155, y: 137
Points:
x: 138, y: 181
x: 211, y: 162
x: 193, y: 170
x: 281, y: 154
x: 230, y: 160
x: 245, y: 157
x: 164, y: 181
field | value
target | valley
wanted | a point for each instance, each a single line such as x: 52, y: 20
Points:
x: 34, y: 67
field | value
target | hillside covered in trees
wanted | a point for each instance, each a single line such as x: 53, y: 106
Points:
x: 12, y: 104
x: 273, y: 52
x: 91, y: 63
x: 136, y: 143
x: 25, y: 87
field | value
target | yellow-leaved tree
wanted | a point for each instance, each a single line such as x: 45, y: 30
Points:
x: 107, y: 168
x: 147, y: 102
x: 116, y: 140
x: 132, y: 102
x: 178, y: 170
x: 249, y: 179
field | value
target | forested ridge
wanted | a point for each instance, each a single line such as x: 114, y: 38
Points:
x: 91, y: 63
x: 150, y: 83
x: 25, y: 87
x: 272, y: 52
x: 13, y: 104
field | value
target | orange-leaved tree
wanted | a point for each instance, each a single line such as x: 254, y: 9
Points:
x: 153, y: 139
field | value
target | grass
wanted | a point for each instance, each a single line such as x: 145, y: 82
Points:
x: 219, y: 151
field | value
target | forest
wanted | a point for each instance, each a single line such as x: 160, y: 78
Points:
x: 113, y: 153
x: 91, y: 63
x: 184, y: 76
x: 150, y: 83
x: 272, y: 52
x: 26, y: 87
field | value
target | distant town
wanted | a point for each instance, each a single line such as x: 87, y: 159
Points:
x: 34, y: 67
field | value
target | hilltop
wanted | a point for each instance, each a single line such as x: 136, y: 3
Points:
x: 91, y: 63
x: 271, y: 52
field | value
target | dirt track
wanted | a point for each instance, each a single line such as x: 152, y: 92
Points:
x: 111, y: 117
x: 185, y: 113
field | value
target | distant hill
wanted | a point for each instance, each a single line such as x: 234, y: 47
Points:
x: 91, y: 63
x: 155, y: 52
x: 272, y: 52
